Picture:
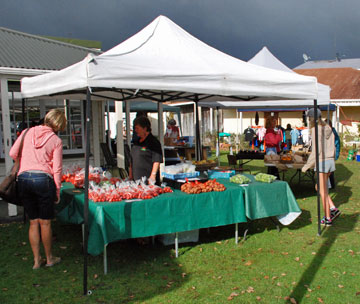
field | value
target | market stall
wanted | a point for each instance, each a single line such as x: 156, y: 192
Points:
x: 163, y: 62
x: 177, y: 211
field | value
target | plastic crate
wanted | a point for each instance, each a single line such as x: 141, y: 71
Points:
x: 180, y: 175
x: 220, y: 174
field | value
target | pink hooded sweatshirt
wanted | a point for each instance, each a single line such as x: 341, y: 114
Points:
x: 42, y: 151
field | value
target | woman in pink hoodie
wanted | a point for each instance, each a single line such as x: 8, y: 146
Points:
x: 39, y: 180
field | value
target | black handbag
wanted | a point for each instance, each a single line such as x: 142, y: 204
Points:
x: 8, y: 187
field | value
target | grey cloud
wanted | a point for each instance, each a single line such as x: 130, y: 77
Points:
x: 238, y: 27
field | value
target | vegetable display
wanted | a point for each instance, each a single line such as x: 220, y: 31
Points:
x: 265, y: 178
x: 104, y: 188
x: 240, y: 179
x: 198, y: 187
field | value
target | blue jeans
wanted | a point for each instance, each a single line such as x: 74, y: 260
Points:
x: 37, y: 191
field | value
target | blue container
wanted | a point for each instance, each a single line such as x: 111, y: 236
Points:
x: 220, y: 174
x: 358, y: 157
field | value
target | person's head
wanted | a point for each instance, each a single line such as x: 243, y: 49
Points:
x: 141, y: 113
x: 172, y: 122
x: 270, y: 123
x: 56, y: 120
x: 142, y: 126
x: 311, y: 115
x: 288, y: 126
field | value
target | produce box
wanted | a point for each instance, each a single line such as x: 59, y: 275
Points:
x: 191, y: 236
x: 205, y: 167
x: 220, y: 174
x: 176, y: 184
x: 180, y: 175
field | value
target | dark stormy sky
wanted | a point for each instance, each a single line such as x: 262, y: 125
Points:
x: 289, y: 28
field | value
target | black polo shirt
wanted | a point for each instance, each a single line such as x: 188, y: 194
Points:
x: 143, y: 155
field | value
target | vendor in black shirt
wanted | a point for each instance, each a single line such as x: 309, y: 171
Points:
x: 146, y: 153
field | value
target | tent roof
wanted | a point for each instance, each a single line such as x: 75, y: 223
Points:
x: 266, y: 59
x: 164, y: 62
x: 331, y: 106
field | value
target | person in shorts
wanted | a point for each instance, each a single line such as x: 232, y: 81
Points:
x: 39, y: 181
x: 326, y: 144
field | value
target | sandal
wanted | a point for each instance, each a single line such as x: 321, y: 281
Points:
x: 41, y: 263
x: 55, y: 261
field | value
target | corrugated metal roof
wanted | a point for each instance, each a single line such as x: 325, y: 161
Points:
x: 344, y: 82
x: 22, y: 50
x: 324, y: 64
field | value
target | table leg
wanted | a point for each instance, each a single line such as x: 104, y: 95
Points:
x: 176, y: 244
x: 236, y: 233
x: 296, y: 172
x: 105, y: 260
x: 83, y: 234
x: 277, y: 226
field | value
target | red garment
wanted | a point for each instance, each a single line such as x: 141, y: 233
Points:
x: 272, y: 139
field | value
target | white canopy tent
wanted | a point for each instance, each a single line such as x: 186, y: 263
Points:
x: 165, y: 58
x: 266, y: 59
x: 163, y: 62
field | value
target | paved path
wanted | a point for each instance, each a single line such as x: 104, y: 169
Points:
x: 4, y: 218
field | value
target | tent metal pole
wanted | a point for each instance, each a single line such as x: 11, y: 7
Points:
x: 217, y: 134
x: 198, y: 152
x: 86, y: 186
x: 317, y: 164
x: 22, y: 128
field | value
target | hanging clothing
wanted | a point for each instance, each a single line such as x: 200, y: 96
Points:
x: 305, y: 136
x: 249, y: 134
x: 294, y: 136
x: 261, y: 133
x: 257, y: 118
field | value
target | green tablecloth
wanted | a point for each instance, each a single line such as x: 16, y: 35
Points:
x: 167, y: 213
x: 264, y: 200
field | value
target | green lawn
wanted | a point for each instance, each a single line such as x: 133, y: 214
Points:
x: 291, y: 266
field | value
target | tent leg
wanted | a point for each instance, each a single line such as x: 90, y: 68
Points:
x: 105, y: 260
x: 176, y: 244
x: 317, y: 164
x: 86, y: 187
x: 236, y: 233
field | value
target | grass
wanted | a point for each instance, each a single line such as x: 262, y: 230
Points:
x: 291, y: 266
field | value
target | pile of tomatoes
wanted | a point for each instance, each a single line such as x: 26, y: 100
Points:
x: 198, y: 187
x: 113, y: 194
x: 104, y: 189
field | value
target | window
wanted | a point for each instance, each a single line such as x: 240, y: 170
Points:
x: 73, y: 136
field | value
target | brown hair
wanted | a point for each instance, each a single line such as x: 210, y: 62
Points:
x: 56, y: 120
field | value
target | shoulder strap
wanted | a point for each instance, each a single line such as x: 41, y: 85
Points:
x: 22, y: 144
x: 16, y: 166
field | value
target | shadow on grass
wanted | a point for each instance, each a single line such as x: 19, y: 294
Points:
x: 329, y: 236
x: 135, y: 272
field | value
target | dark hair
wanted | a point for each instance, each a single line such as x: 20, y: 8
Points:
x: 288, y: 126
x: 143, y: 122
x: 141, y: 113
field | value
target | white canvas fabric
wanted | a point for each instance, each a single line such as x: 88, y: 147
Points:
x: 266, y: 59
x: 163, y: 56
